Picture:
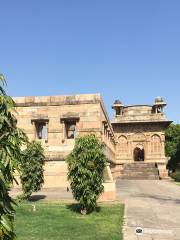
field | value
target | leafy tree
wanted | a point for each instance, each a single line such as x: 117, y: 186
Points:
x: 11, y: 140
x: 173, y: 146
x: 86, y: 164
x: 176, y: 176
x: 32, y: 162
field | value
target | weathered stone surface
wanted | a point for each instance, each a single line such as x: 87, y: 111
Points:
x: 140, y: 128
x: 136, y: 127
x: 140, y: 171
x: 152, y: 205
x: 88, y: 112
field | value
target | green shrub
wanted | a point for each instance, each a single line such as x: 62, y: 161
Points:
x: 32, y: 162
x: 172, y: 146
x: 11, y: 140
x: 176, y: 176
x: 85, y: 171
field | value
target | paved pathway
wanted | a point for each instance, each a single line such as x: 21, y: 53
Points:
x: 153, y: 205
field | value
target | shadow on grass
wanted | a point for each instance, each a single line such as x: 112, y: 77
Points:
x: 36, y: 198
x: 75, y: 207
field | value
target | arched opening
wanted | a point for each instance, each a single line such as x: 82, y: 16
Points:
x: 139, y: 154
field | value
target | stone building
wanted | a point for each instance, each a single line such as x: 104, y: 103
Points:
x: 136, y: 133
x: 140, y: 135
x: 55, y: 121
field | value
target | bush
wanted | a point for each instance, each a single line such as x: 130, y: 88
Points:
x: 32, y: 163
x: 172, y: 146
x: 176, y: 176
x: 11, y: 141
x: 86, y: 164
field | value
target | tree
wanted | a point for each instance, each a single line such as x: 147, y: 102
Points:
x: 173, y: 146
x: 32, y: 163
x: 86, y: 164
x: 11, y: 140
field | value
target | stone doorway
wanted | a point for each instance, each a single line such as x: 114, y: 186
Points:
x: 139, y: 153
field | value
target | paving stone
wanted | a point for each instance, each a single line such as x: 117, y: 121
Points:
x: 154, y: 205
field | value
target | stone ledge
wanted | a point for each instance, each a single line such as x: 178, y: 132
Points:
x: 57, y: 100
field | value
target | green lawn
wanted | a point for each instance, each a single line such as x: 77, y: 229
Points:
x: 52, y: 221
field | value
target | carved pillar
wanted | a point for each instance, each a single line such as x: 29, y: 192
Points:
x: 163, y: 145
x: 129, y: 144
x: 163, y: 148
x: 148, y: 147
x: 145, y: 150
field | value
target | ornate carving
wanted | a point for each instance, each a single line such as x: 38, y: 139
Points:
x: 122, y: 145
x: 138, y: 137
x: 143, y: 127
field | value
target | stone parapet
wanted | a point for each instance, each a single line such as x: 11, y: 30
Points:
x: 57, y: 100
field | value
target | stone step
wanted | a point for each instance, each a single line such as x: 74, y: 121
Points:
x: 143, y: 165
x: 140, y: 170
x: 136, y: 168
x: 139, y: 173
x: 140, y: 177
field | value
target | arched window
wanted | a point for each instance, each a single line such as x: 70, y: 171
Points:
x: 155, y: 144
x: 122, y: 145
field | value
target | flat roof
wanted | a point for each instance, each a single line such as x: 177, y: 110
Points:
x: 56, y: 100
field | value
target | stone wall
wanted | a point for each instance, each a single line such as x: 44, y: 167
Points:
x: 90, y: 117
x: 138, y: 127
x: 130, y: 136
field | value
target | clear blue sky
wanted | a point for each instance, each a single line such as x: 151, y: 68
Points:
x: 126, y: 49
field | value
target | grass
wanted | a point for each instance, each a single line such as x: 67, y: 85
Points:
x: 53, y: 221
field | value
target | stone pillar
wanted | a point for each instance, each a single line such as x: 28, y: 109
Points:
x: 34, y: 130
x: 163, y: 145
x: 163, y: 148
x: 129, y: 146
x: 145, y: 151
x: 147, y: 146
x: 163, y: 172
x: 156, y: 109
x: 106, y: 129
x: 103, y: 132
x: 47, y: 130
x: 63, y: 131
x: 131, y: 150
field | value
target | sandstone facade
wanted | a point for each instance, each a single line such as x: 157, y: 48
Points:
x: 140, y: 135
x: 56, y: 121
x: 135, y: 134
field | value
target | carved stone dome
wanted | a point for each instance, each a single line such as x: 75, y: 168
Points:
x: 159, y: 100
x: 117, y: 101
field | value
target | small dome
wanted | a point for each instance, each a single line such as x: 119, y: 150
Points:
x: 159, y: 99
x: 117, y: 101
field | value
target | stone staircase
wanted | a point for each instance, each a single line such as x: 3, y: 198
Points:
x: 140, y: 170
